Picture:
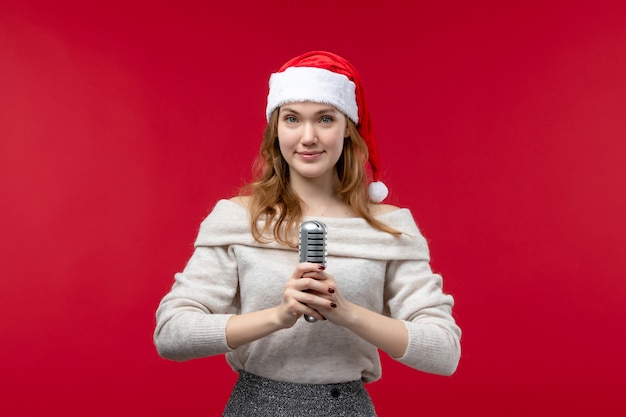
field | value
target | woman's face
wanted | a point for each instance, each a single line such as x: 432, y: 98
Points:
x: 311, y: 136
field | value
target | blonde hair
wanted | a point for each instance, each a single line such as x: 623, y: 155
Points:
x: 272, y: 200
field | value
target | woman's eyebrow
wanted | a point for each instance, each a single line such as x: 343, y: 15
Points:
x: 322, y: 111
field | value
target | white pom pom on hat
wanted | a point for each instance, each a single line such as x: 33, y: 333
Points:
x: 324, y: 77
x: 377, y: 191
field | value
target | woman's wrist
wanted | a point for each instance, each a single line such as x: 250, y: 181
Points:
x: 245, y: 328
x: 351, y: 316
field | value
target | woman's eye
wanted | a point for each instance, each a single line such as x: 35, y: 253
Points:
x: 326, y: 119
x: 290, y: 119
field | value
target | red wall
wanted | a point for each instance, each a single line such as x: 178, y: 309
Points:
x: 501, y: 126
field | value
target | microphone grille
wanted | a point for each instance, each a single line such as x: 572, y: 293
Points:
x: 313, y: 242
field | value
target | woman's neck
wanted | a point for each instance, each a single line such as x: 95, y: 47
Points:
x: 320, y: 200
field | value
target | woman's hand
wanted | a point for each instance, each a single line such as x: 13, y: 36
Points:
x: 309, y: 290
x: 312, y: 291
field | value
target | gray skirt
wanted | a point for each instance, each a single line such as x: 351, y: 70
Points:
x: 257, y: 396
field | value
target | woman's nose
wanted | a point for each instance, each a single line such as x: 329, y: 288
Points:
x: 309, y: 135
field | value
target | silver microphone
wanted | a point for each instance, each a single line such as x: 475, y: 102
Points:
x: 312, y: 247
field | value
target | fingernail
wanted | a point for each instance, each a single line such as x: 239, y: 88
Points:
x: 333, y: 305
x: 321, y: 267
x: 331, y: 290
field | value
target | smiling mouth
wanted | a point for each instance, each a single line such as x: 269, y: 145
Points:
x: 310, y: 153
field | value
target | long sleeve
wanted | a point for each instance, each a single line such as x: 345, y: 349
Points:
x: 192, y: 317
x: 416, y: 297
x: 412, y: 292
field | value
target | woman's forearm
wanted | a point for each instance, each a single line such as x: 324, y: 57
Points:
x: 388, y: 334
x: 245, y: 328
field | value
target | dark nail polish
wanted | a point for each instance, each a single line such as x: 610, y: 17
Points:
x: 333, y: 305
x: 331, y: 290
x: 321, y: 267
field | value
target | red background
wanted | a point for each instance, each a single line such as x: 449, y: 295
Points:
x: 501, y: 125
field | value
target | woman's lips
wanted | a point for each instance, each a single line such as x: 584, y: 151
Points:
x: 308, y: 156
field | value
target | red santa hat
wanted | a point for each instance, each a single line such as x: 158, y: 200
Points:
x: 324, y: 77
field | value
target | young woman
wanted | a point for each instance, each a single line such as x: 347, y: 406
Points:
x: 243, y: 292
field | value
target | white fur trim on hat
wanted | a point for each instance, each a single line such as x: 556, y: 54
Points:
x: 377, y: 191
x: 298, y: 84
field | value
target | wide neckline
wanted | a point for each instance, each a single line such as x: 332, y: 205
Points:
x: 381, y: 216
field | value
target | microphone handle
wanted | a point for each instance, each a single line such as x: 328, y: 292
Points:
x: 312, y: 247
